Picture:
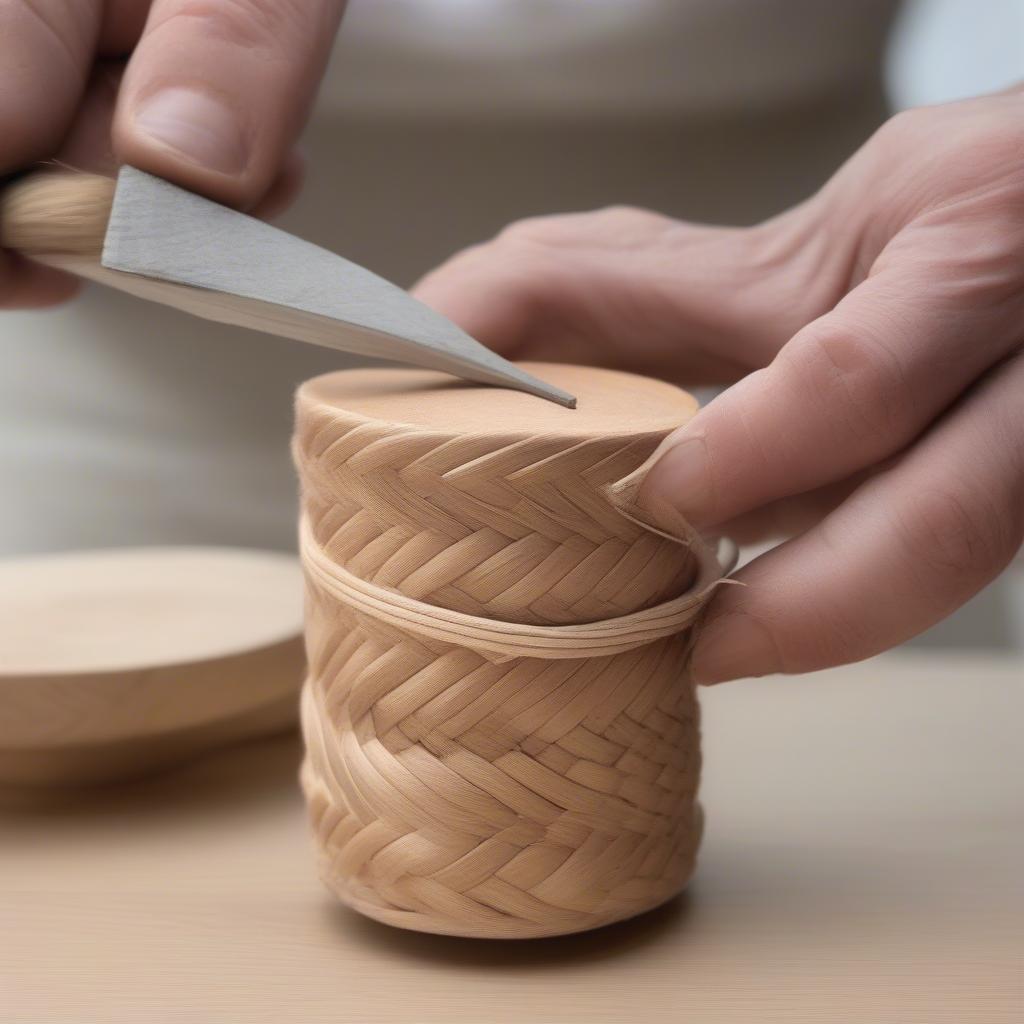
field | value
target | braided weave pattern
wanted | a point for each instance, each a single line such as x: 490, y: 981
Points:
x: 452, y: 791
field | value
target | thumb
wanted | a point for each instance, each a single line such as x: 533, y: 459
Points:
x: 849, y: 391
x: 216, y: 93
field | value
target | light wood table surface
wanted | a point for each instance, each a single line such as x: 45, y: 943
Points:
x: 863, y: 862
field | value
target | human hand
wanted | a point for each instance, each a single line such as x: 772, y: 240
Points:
x: 213, y: 96
x: 876, y: 334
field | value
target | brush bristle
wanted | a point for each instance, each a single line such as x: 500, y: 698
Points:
x: 56, y: 213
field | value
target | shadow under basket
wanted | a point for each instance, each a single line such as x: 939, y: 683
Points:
x: 502, y: 739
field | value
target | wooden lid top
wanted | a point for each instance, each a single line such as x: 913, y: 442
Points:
x: 610, y: 403
x: 124, y: 609
x: 487, y: 501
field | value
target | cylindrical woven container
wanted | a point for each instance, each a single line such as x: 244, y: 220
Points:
x: 501, y: 738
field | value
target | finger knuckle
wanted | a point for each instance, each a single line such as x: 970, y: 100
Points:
x: 950, y: 537
x: 896, y: 133
x: 610, y: 224
x: 526, y: 229
x: 54, y: 44
x: 906, y: 131
x: 633, y: 226
x: 860, y: 384
x: 799, y: 634
x: 67, y: 23
x: 835, y: 637
x: 494, y: 260
x: 507, y: 277
x: 625, y: 214
x: 957, y: 145
x: 551, y: 230
x: 998, y: 147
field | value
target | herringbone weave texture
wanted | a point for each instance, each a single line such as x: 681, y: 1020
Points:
x: 452, y: 787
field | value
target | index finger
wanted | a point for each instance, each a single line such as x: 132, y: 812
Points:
x: 903, y: 552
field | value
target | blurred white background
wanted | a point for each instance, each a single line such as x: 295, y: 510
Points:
x: 943, y: 50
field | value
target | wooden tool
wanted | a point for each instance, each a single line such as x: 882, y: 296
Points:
x: 502, y: 739
x: 114, y: 663
x: 150, y: 238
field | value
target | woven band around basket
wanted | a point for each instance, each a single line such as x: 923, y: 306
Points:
x: 502, y: 740
x: 501, y: 641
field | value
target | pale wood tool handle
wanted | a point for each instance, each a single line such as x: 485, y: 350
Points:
x: 56, y: 214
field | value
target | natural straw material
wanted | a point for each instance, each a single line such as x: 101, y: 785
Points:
x: 501, y: 737
x: 56, y: 213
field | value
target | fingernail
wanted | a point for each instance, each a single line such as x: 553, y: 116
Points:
x: 197, y: 125
x: 681, y: 477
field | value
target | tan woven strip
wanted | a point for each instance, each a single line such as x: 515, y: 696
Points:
x: 500, y: 640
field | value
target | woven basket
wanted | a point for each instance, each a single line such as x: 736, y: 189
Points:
x: 501, y: 738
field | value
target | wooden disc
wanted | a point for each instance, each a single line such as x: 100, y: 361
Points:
x: 118, y: 661
x: 609, y: 403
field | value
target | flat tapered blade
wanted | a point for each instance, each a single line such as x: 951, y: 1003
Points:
x: 259, y: 276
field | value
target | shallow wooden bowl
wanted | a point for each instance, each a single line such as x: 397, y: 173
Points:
x: 118, y: 662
